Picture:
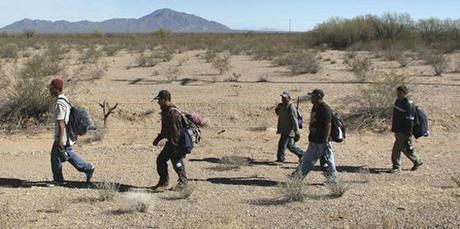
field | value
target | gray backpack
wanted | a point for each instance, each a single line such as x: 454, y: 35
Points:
x: 80, y: 122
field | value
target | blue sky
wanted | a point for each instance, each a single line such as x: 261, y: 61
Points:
x: 237, y: 14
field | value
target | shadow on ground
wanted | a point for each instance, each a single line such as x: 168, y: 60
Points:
x: 18, y: 183
x: 248, y: 181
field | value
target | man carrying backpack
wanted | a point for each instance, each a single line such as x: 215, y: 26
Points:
x: 171, y: 124
x: 288, y: 127
x: 62, y: 147
x: 402, y: 124
x: 319, y: 145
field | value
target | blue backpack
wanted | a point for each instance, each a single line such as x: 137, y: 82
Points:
x: 420, y: 123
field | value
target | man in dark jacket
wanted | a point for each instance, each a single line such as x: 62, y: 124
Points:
x: 319, y: 145
x: 402, y: 124
x: 288, y: 128
x: 171, y: 124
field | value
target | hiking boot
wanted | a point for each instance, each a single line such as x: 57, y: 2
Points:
x: 89, y: 174
x: 395, y: 170
x: 416, y: 166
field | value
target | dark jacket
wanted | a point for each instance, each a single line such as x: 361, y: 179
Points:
x: 287, y: 120
x: 402, y: 121
x: 171, y: 123
x: 320, y: 117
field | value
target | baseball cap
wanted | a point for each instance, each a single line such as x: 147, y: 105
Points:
x: 286, y: 94
x: 57, y: 83
x: 317, y: 92
x: 163, y: 94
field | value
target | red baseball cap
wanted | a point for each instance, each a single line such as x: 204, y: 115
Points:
x: 57, y: 83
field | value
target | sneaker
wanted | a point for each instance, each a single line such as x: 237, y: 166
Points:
x: 160, y: 187
x: 416, y: 166
x: 89, y: 174
x: 395, y: 170
x: 56, y: 183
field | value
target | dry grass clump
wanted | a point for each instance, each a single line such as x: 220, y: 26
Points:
x: 437, y: 60
x: 293, y: 189
x: 222, y: 63
x: 231, y: 163
x: 137, y: 202
x: 210, y: 55
x: 361, y: 66
x: 374, y: 103
x: 111, y: 50
x: 337, y: 189
x: 106, y: 190
x: 144, y: 60
x: 92, y: 71
x: 305, y: 62
x: 182, y: 193
x: 90, y: 55
x: 9, y: 51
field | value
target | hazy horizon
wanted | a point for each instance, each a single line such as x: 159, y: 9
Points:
x: 238, y: 14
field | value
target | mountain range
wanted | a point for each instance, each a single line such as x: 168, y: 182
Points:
x: 160, y: 19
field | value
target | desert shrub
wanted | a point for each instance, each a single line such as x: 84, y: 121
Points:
x: 293, y: 189
x: 305, y: 62
x: 9, y: 51
x: 264, y: 52
x: 361, y: 66
x: 91, y: 71
x: 375, y: 103
x: 90, y: 55
x: 234, y: 78
x: 111, y: 50
x: 5, y: 81
x: 210, y: 55
x: 337, y: 189
x: 106, y: 190
x: 173, y: 73
x: 56, y: 52
x: 144, y: 60
x: 139, y: 202
x: 28, y: 99
x: 437, y: 60
x: 222, y: 63
x: 29, y: 33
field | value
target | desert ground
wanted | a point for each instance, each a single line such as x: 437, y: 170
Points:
x: 242, y: 123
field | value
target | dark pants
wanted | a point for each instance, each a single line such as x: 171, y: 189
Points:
x: 403, y: 144
x: 287, y: 142
x: 173, y: 153
x: 74, y: 160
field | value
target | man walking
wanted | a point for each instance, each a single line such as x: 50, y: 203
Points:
x: 402, y: 124
x: 171, y: 124
x: 319, y: 138
x: 288, y: 128
x: 62, y: 147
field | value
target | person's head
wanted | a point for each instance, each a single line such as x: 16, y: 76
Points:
x: 56, y: 86
x: 163, y: 98
x: 285, y: 97
x: 316, y: 96
x: 401, y: 92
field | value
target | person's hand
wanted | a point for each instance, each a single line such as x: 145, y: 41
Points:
x: 297, y: 138
x: 155, y: 142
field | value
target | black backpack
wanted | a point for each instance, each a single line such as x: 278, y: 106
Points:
x: 190, y: 133
x: 80, y: 122
x: 420, y: 125
x: 337, y: 128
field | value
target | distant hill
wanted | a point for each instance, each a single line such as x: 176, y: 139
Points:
x: 163, y: 18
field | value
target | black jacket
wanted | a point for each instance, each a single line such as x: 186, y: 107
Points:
x: 403, y: 117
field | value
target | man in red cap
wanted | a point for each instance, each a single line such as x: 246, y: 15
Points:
x: 62, y: 147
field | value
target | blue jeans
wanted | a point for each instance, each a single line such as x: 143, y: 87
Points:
x: 314, y: 152
x: 287, y: 142
x: 56, y: 164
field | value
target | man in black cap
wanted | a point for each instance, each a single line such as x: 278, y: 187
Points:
x: 171, y: 123
x: 288, y: 127
x: 402, y: 124
x: 319, y: 145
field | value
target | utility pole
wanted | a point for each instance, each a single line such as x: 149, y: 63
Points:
x: 289, y: 25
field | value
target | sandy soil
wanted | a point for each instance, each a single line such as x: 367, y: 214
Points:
x: 247, y: 197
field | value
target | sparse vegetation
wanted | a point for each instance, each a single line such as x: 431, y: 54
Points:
x: 92, y: 71
x: 305, y: 62
x: 437, y: 60
x: 361, y: 66
x: 9, y: 51
x: 106, y: 190
x: 210, y: 55
x: 91, y: 55
x: 337, y: 189
x: 139, y: 202
x: 173, y: 73
x: 293, y: 189
x: 222, y: 63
